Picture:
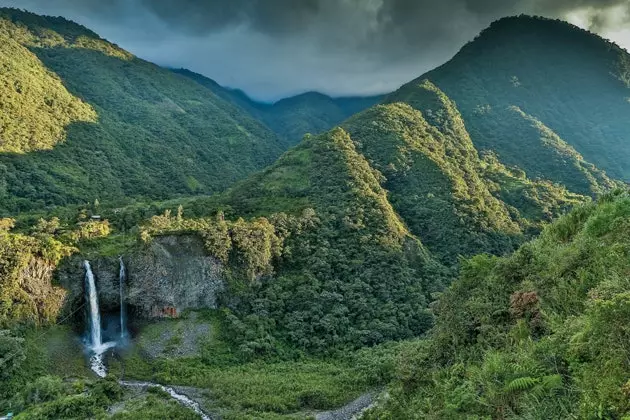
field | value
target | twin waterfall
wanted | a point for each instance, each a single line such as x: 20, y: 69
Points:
x: 97, y: 347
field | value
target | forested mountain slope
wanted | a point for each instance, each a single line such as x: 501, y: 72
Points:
x: 338, y: 269
x: 84, y: 120
x: 546, y: 96
x: 539, y: 334
x: 455, y: 200
x: 361, y: 216
x: 292, y: 117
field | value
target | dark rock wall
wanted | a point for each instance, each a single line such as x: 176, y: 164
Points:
x: 164, y: 278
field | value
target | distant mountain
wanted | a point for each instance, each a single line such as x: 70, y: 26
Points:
x: 291, y: 118
x: 82, y: 119
x: 546, y: 96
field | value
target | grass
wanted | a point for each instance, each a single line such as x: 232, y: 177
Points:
x: 263, y: 389
x: 110, y: 246
x: 57, y: 351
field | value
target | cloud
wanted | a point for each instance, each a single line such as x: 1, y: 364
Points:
x: 273, y: 48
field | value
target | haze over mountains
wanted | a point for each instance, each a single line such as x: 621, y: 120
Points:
x: 291, y: 118
x: 333, y: 225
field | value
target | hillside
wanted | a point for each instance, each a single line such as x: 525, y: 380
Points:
x: 390, y: 252
x: 84, y: 120
x: 345, y: 260
x: 292, y: 117
x: 539, y: 334
x: 456, y: 201
x: 545, y: 96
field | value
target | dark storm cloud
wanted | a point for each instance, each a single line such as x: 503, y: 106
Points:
x: 272, y: 48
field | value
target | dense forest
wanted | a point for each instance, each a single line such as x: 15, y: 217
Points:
x: 546, y: 96
x: 99, y: 123
x: 457, y: 246
x: 539, y: 334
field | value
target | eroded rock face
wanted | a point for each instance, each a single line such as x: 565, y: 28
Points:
x: 174, y: 274
x: 168, y: 276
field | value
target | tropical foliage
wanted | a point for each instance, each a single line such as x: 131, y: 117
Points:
x: 539, y: 334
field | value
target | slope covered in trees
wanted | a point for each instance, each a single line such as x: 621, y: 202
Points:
x: 546, y: 96
x: 539, y: 334
x: 342, y: 216
x: 292, y: 117
x: 456, y: 201
x: 99, y: 123
x: 345, y: 272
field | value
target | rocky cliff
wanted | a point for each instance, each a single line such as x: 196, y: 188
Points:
x: 164, y: 278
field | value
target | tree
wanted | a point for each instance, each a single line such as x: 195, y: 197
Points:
x: 11, y: 354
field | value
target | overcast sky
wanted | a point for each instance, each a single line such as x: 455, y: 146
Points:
x: 275, y: 48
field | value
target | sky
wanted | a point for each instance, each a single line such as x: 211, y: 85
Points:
x: 276, y: 48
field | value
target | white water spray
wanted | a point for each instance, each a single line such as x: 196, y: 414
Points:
x: 97, y: 347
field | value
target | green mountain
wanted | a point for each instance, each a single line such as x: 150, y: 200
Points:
x: 83, y: 120
x: 547, y: 97
x: 345, y: 271
x: 409, y: 220
x: 291, y: 118
x: 364, y: 214
x: 540, y: 334
x: 457, y: 201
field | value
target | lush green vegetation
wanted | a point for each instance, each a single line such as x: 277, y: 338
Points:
x: 36, y: 108
x: 121, y: 128
x: 292, y: 118
x: 455, y: 201
x: 27, y: 264
x: 269, y: 388
x: 341, y: 247
x: 331, y: 259
x: 539, y: 334
x: 341, y: 271
x: 546, y: 96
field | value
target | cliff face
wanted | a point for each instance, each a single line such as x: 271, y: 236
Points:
x: 174, y: 274
x: 170, y: 275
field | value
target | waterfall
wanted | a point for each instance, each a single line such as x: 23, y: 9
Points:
x: 123, y: 316
x: 94, y: 322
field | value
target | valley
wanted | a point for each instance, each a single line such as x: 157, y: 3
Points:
x: 172, y: 248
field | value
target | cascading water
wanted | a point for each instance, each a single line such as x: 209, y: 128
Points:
x: 94, y: 314
x: 94, y: 324
x: 122, y: 276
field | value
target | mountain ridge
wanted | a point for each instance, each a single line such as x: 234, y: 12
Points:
x: 308, y: 112
x: 550, y: 74
x: 166, y: 134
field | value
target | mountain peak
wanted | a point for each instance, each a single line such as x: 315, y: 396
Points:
x: 39, y: 24
x: 517, y: 30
